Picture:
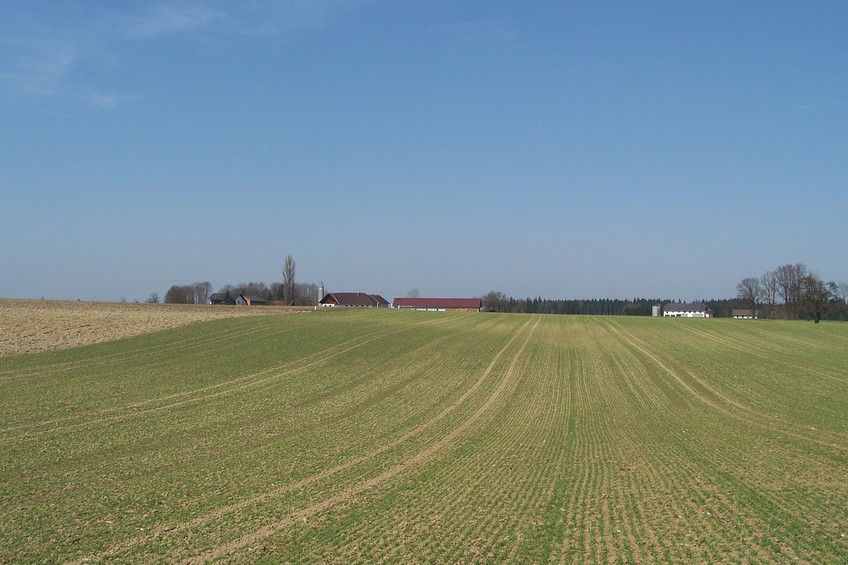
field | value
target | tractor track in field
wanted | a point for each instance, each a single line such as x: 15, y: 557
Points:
x: 640, y: 510
x: 38, y: 326
x: 785, y: 359
x: 707, y: 505
x: 499, y: 447
x: 219, y: 336
x: 212, y: 429
x: 699, y: 390
x: 114, y: 414
x: 120, y: 413
x: 523, y: 438
x: 776, y: 352
x: 268, y: 530
x: 760, y: 329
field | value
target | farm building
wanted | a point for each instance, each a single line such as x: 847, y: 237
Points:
x: 686, y: 310
x: 353, y: 300
x: 439, y: 304
x: 746, y: 314
x: 248, y: 300
x: 239, y: 299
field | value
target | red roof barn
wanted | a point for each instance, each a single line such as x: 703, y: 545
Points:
x: 439, y: 304
x: 354, y: 300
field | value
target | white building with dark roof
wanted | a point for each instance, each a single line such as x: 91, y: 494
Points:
x: 686, y: 310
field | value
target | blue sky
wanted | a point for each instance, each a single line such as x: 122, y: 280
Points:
x: 555, y: 149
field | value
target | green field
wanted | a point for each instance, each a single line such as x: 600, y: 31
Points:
x: 392, y: 436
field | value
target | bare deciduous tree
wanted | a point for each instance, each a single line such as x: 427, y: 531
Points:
x: 306, y: 294
x: 494, y: 301
x: 815, y: 296
x: 841, y: 296
x: 289, y: 286
x: 749, y: 291
x: 789, y: 279
x: 257, y: 289
x: 179, y: 294
x: 194, y: 293
x: 202, y: 292
x: 768, y: 285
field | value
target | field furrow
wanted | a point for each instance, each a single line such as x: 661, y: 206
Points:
x: 357, y: 461
x: 357, y: 436
x: 716, y: 400
x: 264, y: 377
x: 374, y: 482
x: 151, y: 352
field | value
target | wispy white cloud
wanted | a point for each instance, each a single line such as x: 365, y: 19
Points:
x: 46, y: 52
x: 248, y: 18
x: 39, y: 63
x: 167, y: 19
x: 44, y: 67
x: 41, y: 53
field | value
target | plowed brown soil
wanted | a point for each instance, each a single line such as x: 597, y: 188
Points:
x: 29, y: 326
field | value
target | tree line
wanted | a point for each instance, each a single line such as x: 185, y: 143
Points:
x: 288, y: 291
x: 194, y: 293
x: 791, y: 291
x: 794, y: 292
x: 304, y: 294
x: 498, y: 302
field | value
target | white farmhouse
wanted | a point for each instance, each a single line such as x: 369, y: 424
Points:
x: 686, y: 310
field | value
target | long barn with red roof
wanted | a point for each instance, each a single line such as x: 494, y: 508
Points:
x: 439, y: 304
x: 354, y: 300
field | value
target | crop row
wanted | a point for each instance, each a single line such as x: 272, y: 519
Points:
x: 362, y: 436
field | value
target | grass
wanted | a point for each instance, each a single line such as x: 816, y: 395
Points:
x: 405, y: 436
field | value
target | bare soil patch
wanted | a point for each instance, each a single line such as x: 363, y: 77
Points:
x: 30, y: 326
